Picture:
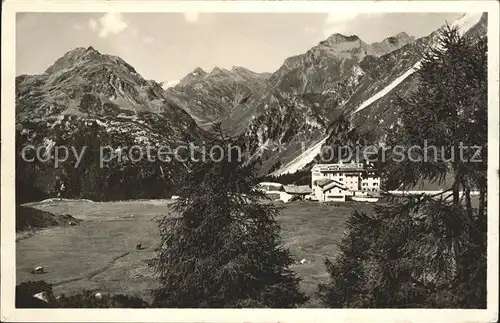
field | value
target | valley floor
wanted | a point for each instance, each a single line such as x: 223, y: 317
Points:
x: 100, y: 253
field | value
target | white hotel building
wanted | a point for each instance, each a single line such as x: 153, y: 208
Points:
x: 333, y: 182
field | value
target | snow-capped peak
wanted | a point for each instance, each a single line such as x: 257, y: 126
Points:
x: 170, y: 84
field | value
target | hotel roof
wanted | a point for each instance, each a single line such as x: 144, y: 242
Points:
x: 297, y: 189
x: 322, y: 182
x: 333, y: 184
x: 270, y: 184
x: 337, y: 167
x: 326, y: 183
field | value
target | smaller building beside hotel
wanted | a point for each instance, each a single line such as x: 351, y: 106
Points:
x: 330, y: 190
x: 298, y: 190
x: 335, y: 182
x: 285, y: 193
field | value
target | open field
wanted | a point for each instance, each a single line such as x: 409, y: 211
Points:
x: 100, y: 253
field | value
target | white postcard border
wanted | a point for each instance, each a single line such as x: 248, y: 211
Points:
x: 10, y: 314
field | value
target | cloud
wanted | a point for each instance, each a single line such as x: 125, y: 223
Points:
x: 340, y: 17
x: 348, y: 22
x: 191, y: 16
x: 148, y: 39
x: 93, y: 24
x: 337, y: 22
x: 110, y: 23
x: 311, y: 31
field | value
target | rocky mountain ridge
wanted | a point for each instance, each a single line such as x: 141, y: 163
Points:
x: 232, y: 96
x: 209, y: 97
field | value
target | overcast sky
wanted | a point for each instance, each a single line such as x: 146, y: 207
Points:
x: 167, y: 46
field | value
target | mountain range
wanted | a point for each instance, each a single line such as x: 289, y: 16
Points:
x: 340, y: 75
x: 283, y: 116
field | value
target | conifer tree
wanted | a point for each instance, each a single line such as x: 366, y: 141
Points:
x: 222, y: 247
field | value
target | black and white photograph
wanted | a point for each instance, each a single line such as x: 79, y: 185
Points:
x: 291, y: 159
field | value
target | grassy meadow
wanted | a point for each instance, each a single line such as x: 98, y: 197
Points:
x: 100, y: 252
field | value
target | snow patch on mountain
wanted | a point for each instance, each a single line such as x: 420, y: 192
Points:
x: 169, y: 84
x: 464, y: 23
x: 303, y: 159
x: 467, y: 21
x: 357, y: 71
x: 388, y: 88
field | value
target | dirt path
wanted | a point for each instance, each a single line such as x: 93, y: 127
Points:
x: 93, y: 273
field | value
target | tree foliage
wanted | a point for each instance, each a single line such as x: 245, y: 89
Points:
x: 300, y: 177
x: 345, y: 143
x: 222, y: 248
x: 119, y: 179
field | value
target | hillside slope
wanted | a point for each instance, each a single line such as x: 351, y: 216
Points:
x: 28, y: 218
x: 92, y: 100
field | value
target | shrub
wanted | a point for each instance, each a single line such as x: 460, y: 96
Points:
x: 85, y: 299
x: 25, y: 291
